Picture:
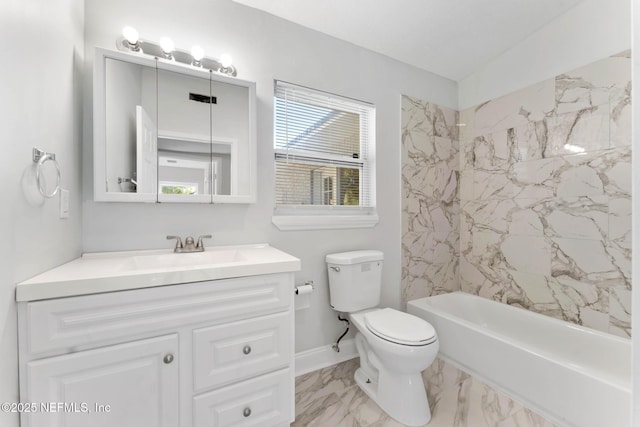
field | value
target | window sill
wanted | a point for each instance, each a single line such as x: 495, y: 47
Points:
x: 324, y: 222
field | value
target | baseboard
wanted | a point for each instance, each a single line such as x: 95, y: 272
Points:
x: 322, y: 357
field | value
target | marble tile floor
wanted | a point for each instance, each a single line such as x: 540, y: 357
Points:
x: 330, y: 397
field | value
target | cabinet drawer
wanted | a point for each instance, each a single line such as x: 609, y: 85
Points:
x: 66, y: 324
x: 264, y: 401
x: 234, y: 351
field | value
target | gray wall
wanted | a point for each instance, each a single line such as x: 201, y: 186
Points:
x: 264, y: 48
x: 40, y: 105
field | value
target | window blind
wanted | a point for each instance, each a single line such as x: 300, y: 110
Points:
x: 323, y: 145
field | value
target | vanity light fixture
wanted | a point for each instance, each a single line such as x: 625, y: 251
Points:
x: 131, y: 38
x: 197, y: 53
x: 225, y: 62
x: 165, y: 49
x: 167, y: 46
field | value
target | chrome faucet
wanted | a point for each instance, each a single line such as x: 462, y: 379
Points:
x: 200, y: 245
x: 189, y: 244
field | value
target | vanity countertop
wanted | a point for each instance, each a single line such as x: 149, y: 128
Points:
x: 116, y: 271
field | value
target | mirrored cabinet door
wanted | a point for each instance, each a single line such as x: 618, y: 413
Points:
x: 130, y: 155
x: 230, y: 139
x: 184, y: 138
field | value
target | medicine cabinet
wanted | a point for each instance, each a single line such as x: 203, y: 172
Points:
x: 169, y: 132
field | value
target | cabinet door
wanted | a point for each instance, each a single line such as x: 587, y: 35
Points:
x: 138, y: 381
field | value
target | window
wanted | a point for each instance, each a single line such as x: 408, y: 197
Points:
x: 178, y: 188
x: 324, y: 160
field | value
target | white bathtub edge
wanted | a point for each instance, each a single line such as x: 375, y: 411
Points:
x: 513, y: 396
x: 483, y: 366
x: 542, y: 354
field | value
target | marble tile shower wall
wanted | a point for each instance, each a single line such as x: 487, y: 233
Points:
x: 545, y: 197
x: 430, y: 203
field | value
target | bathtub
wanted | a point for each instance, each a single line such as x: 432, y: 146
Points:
x: 571, y: 375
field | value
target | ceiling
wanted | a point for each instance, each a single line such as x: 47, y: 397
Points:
x: 452, y: 38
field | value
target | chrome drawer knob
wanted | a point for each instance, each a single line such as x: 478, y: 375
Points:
x: 246, y: 350
x: 168, y: 358
x: 246, y: 412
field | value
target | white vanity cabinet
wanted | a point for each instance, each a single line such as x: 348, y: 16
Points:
x: 125, y: 384
x: 210, y: 353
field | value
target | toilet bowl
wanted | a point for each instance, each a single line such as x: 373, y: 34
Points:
x: 394, y: 349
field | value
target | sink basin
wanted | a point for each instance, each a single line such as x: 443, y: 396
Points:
x: 178, y: 260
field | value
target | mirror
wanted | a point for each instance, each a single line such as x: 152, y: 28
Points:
x: 166, y: 132
x: 131, y: 98
x: 184, y: 137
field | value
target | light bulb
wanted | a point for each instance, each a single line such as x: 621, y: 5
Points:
x: 166, y: 44
x: 130, y: 34
x: 197, y: 52
x: 226, y: 60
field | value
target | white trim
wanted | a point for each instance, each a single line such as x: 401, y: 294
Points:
x: 323, y: 222
x: 322, y: 357
x: 184, y: 198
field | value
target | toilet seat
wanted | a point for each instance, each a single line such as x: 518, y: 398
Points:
x: 400, y: 328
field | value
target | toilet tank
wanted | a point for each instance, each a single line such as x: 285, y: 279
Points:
x: 355, y: 280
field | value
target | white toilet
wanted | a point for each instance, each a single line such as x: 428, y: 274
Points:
x: 394, y: 347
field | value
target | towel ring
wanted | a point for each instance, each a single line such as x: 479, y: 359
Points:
x: 40, y: 157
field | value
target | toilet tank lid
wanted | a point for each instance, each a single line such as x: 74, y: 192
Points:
x: 354, y: 257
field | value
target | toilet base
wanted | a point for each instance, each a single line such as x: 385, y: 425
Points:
x: 366, y: 384
x: 405, y: 399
